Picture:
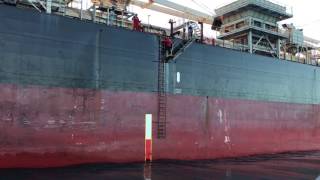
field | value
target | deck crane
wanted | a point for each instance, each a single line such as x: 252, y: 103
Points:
x: 166, y: 7
x: 174, y: 9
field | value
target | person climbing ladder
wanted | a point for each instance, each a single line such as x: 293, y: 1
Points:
x: 167, y: 42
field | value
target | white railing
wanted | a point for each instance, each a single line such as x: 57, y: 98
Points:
x: 226, y: 44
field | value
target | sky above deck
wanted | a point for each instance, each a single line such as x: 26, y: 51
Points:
x: 306, y: 14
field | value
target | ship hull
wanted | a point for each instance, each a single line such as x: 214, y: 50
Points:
x: 49, y: 127
x: 75, y: 92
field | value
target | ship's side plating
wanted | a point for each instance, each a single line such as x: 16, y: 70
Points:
x: 76, y: 92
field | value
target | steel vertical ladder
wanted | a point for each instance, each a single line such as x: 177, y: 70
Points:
x: 162, y: 94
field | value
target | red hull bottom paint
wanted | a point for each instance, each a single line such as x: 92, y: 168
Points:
x: 47, y: 127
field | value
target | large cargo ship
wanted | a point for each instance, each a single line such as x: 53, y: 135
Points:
x: 75, y: 92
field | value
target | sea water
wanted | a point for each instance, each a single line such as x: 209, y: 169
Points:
x: 292, y: 166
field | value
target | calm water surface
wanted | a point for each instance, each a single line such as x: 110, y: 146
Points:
x: 279, y: 167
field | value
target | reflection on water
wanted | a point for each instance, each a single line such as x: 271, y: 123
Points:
x: 297, y: 166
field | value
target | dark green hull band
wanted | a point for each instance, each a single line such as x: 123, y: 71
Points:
x: 56, y: 51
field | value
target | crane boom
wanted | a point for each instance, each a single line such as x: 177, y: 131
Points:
x: 163, y: 6
x: 174, y: 9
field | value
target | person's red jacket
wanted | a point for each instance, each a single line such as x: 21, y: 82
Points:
x: 167, y: 42
x: 136, y: 23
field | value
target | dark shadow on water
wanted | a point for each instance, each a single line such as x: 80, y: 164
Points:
x: 291, y: 166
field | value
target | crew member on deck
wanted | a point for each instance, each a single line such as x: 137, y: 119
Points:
x: 136, y: 23
x: 213, y: 41
x: 112, y: 16
x: 190, y: 31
